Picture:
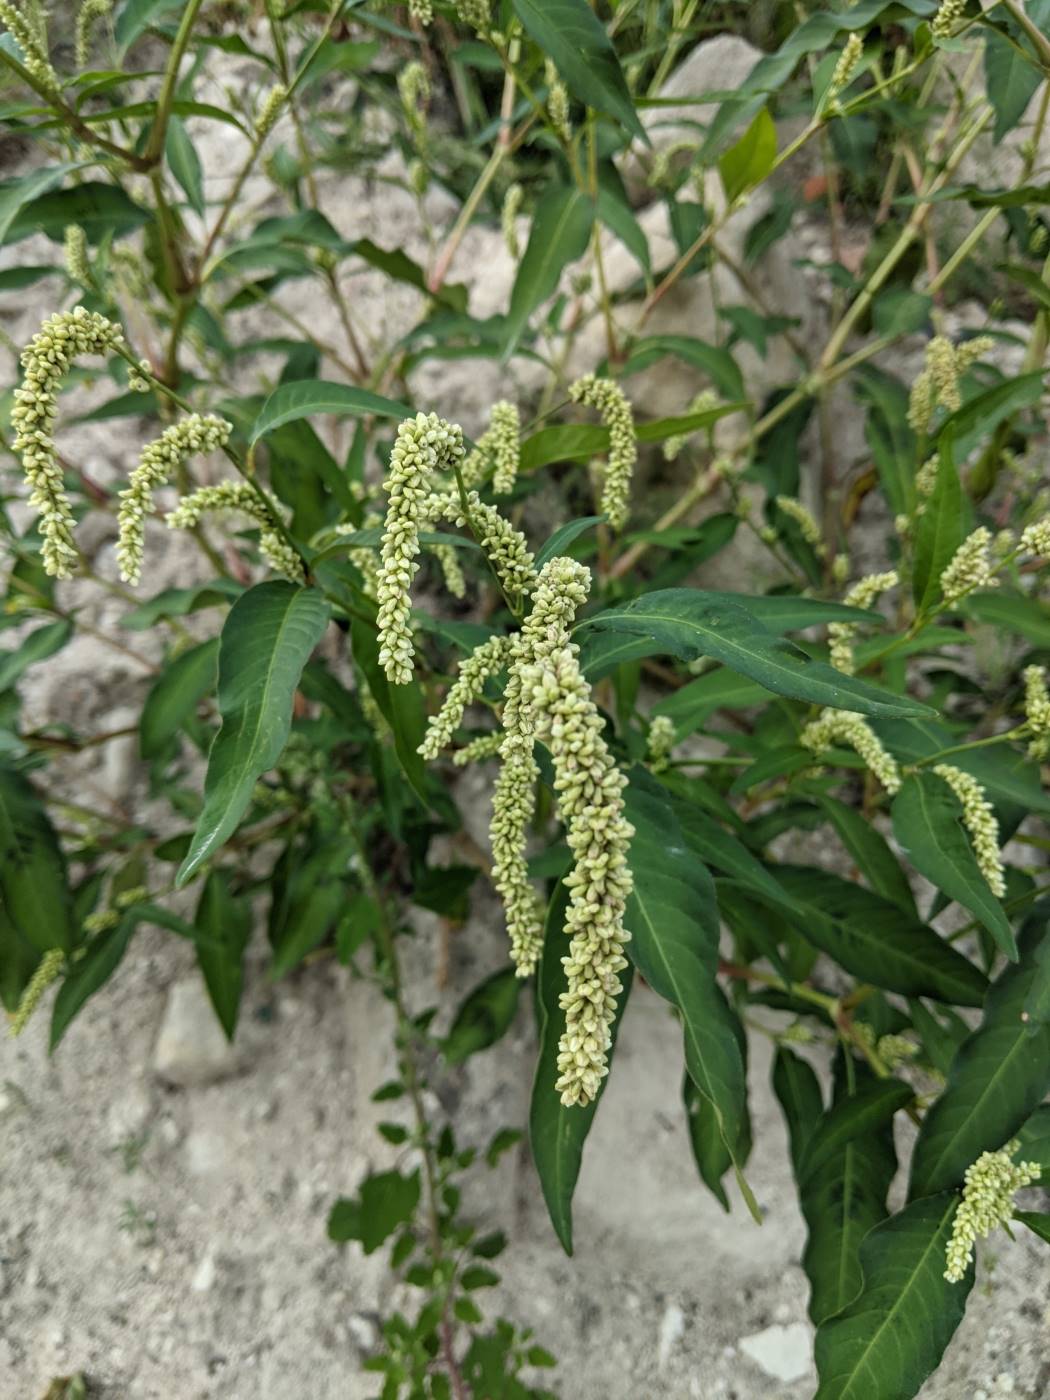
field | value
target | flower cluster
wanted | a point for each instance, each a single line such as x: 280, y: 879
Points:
x: 980, y: 821
x: 47, y: 971
x: 413, y: 85
x: 35, y: 58
x: 89, y: 12
x: 803, y: 518
x: 45, y: 362
x: 506, y: 548
x: 558, y: 103
x: 512, y: 201
x: 843, y: 727
x: 987, y: 1202
x: 485, y: 746
x: 846, y: 65
x: 970, y: 567
x: 422, y: 11
x: 500, y: 443
x: 424, y: 444
x: 158, y: 461
x: 240, y: 496
x: 589, y: 790
x: 1037, y: 711
x: 861, y: 595
x: 946, y: 18
x: 561, y: 588
x: 513, y: 803
x: 363, y: 559
x: 484, y: 661
x: 938, y: 381
x: 610, y: 401
x: 660, y: 741
x: 475, y: 13
x: 270, y: 110
x: 1035, y: 538
x: 76, y: 254
x: 707, y: 398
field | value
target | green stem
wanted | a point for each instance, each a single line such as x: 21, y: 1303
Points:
x: 159, y: 131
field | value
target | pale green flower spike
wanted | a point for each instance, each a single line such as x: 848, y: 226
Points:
x: 938, y: 382
x: 270, y: 110
x: 589, y: 790
x: 34, y: 50
x: 413, y: 85
x: 926, y: 476
x: 561, y: 588
x: 485, y: 746
x: 76, y: 255
x: 364, y: 560
x: 475, y: 13
x: 513, y: 802
x: 424, y: 445
x: 803, y: 518
x: 505, y: 547
x: 1035, y: 538
x: 970, y: 567
x: 980, y: 821
x: 48, y: 970
x: 662, y: 169
x: 484, y: 661
x: 89, y: 12
x: 610, y: 401
x: 499, y: 443
x: 659, y: 742
x: 239, y: 496
x: 422, y: 11
x: 846, y: 65
x: 558, y: 102
x: 861, y: 595
x: 451, y: 569
x: 508, y: 219
x: 45, y: 362
x: 844, y: 727
x: 159, y: 459
x: 895, y: 1050
x: 987, y: 1202
x: 707, y: 398
x: 946, y: 18
x: 1037, y: 711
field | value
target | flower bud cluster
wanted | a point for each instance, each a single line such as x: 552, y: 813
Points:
x: 589, y: 790
x: 422, y: 11
x: 159, y: 459
x: 513, y: 804
x: 484, y: 661
x: 45, y: 362
x: 987, y: 1202
x: 506, y: 548
x: 844, y: 727
x: 707, y: 398
x: 946, y: 18
x: 512, y: 201
x: 938, y: 381
x: 1035, y: 538
x: 970, y: 567
x: 558, y: 103
x: 270, y: 110
x: 47, y: 971
x: 1037, y: 711
x: 660, y: 741
x: 76, y: 254
x: 424, y: 445
x: 608, y: 398
x: 239, y: 496
x: 861, y: 595
x: 89, y: 12
x: 475, y: 13
x: 479, y: 749
x: 980, y: 821
x: 846, y: 65
x: 500, y: 443
x: 34, y: 53
x: 803, y: 518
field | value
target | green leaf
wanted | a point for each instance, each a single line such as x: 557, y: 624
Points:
x: 1011, y: 77
x: 1007, y: 777
x: 308, y: 904
x: 871, y: 852
x: 223, y: 925
x: 100, y: 960
x: 673, y: 918
x: 747, y: 164
x: 689, y: 623
x: 484, y: 1017
x: 557, y: 1134
x: 401, y: 705
x: 1036, y: 1013
x: 713, y: 1159
x: 136, y: 16
x: 798, y: 1092
x: 579, y: 442
x: 927, y: 822
x: 1011, y: 612
x: 939, y: 530
x: 615, y: 212
x: 302, y: 398
x: 386, y: 1200
x: 185, y: 164
x: 889, y: 1339
x: 266, y: 641
x: 718, y: 689
x: 1037, y: 1221
x: 35, y: 900
x: 999, y: 1077
x: 175, y: 695
x: 561, y: 539
x: 561, y: 228
x: 712, y: 360
x: 99, y: 210
x: 38, y: 646
x: 876, y: 940
x: 1034, y: 1138
x: 982, y: 414
x: 177, y: 602
x: 15, y: 193
x: 569, y: 32
x: 844, y: 1177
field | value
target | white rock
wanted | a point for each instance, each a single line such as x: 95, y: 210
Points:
x: 784, y: 1353
x: 191, y: 1047
x: 204, y: 1278
x: 672, y: 1327
x: 718, y: 65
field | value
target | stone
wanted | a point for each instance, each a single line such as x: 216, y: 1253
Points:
x: 204, y: 1276
x: 717, y: 65
x: 672, y: 1329
x: 191, y: 1048
x: 785, y: 1353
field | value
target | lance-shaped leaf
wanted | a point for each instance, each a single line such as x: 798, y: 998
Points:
x: 940, y: 530
x: 876, y: 940
x: 1034, y: 1138
x: 927, y: 824
x: 175, y: 695
x: 561, y: 227
x: 712, y: 1157
x: 844, y: 1175
x: 673, y: 918
x: 266, y: 641
x: 34, y: 892
x: 889, y: 1339
x: 223, y: 926
x: 871, y: 851
x: 557, y: 1134
x: 1000, y: 1075
x: 798, y: 1091
x: 302, y: 398
x: 690, y: 623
